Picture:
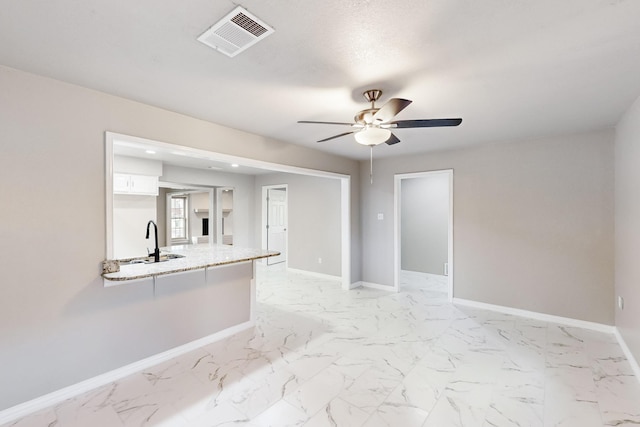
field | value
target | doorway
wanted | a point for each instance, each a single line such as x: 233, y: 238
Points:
x: 275, y: 218
x: 424, y: 225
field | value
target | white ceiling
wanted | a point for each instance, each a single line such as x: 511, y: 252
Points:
x: 512, y: 69
x: 170, y: 155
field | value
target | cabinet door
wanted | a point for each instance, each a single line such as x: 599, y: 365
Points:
x: 143, y: 184
x: 121, y: 183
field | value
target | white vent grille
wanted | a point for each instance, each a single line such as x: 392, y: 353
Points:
x: 235, y: 32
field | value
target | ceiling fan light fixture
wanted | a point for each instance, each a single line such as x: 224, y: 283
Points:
x: 371, y: 136
x: 371, y: 126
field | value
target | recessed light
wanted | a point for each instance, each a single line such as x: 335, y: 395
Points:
x: 150, y: 152
x: 235, y: 165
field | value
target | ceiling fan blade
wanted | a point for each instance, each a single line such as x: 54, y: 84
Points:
x: 336, y: 136
x: 390, y: 109
x: 392, y: 140
x: 325, y: 123
x: 426, y: 123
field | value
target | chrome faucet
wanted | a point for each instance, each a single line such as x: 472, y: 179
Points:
x: 156, y: 252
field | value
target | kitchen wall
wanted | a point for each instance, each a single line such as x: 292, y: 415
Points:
x: 424, y: 223
x: 132, y: 212
x: 314, y: 229
x: 58, y: 324
x: 627, y: 207
x: 533, y: 223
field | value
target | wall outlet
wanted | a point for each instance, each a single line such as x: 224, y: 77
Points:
x: 319, y: 260
x: 380, y: 216
x: 621, y: 303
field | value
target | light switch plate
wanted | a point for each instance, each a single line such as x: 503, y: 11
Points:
x: 380, y: 216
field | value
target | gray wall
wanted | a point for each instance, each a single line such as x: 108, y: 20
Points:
x: 58, y: 324
x: 533, y: 223
x: 627, y: 204
x: 424, y: 223
x: 314, y: 221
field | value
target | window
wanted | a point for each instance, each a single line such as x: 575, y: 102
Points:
x: 179, y: 218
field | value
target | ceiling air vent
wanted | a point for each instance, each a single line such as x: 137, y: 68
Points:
x: 235, y: 32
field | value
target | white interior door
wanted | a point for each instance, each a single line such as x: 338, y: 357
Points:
x: 277, y: 224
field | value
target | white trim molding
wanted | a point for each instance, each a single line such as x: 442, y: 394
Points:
x: 53, y: 398
x: 314, y: 274
x: 376, y: 286
x: 627, y: 352
x: 537, y: 316
x: 354, y: 285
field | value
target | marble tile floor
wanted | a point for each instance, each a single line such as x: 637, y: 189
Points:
x: 320, y: 356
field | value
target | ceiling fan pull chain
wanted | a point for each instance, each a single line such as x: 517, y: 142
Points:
x: 371, y: 168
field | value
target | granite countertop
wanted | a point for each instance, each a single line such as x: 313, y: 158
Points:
x: 195, y: 257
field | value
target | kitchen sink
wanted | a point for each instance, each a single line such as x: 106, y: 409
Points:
x: 150, y: 260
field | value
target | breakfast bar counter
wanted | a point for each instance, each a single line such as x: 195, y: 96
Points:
x: 184, y: 258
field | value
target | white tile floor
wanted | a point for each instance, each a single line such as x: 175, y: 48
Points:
x: 320, y: 356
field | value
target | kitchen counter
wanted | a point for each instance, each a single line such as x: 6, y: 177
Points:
x: 195, y: 257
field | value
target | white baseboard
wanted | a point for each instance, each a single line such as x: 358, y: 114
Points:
x: 53, y: 398
x: 314, y: 274
x: 627, y: 352
x: 538, y: 316
x: 355, y: 285
x: 376, y: 286
x: 421, y: 273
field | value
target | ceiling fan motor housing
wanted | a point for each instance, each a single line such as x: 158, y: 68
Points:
x: 365, y: 116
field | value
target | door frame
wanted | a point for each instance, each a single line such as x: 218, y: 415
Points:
x: 265, y: 212
x: 397, y: 232
x: 219, y: 212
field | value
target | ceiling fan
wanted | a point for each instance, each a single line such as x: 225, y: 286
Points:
x: 372, y: 126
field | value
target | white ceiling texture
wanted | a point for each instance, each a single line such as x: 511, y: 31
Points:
x: 512, y: 69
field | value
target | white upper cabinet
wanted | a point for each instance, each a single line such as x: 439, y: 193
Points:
x: 135, y: 184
